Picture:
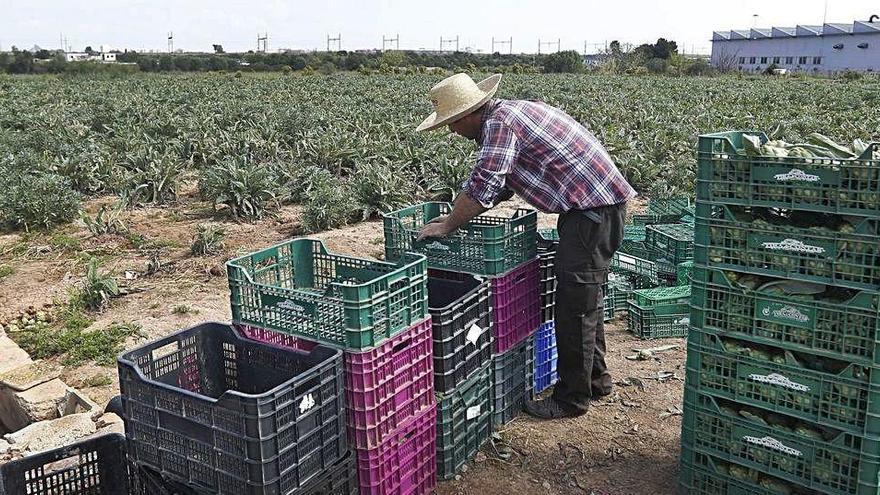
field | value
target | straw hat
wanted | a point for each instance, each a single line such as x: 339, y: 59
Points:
x: 456, y: 96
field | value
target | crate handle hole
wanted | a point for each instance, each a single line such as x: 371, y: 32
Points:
x: 165, y: 350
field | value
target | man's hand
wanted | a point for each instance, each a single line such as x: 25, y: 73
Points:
x: 438, y: 227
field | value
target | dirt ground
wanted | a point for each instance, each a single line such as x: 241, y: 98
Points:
x: 628, y: 443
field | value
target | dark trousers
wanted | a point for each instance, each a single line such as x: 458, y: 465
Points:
x: 587, y: 242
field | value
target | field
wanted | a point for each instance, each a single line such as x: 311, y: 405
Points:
x: 177, y: 174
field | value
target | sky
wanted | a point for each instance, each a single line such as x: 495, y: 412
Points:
x: 197, y: 24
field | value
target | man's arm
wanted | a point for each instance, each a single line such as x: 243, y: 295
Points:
x: 463, y: 211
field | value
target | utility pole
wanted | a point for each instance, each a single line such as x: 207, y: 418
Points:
x: 395, y: 40
x: 448, y: 41
x: 264, y: 41
x: 170, y: 42
x: 541, y: 44
x: 337, y: 40
x: 509, y: 44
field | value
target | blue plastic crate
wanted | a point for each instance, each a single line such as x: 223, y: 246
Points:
x: 545, y: 357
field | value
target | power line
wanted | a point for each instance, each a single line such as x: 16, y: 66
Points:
x: 337, y: 40
x: 541, y: 44
x: 395, y: 40
x: 509, y: 44
x: 448, y: 41
x: 265, y: 42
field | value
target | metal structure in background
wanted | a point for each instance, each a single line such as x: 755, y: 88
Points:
x: 395, y: 40
x: 448, y: 41
x: 263, y: 43
x: 542, y: 44
x: 337, y: 40
x: 170, y: 42
x: 508, y: 42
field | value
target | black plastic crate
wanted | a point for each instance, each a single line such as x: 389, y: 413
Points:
x: 464, y: 422
x: 460, y: 309
x: 341, y: 479
x: 512, y: 381
x: 95, y: 466
x: 219, y: 412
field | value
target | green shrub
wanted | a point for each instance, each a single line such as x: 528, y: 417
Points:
x: 447, y: 179
x: 379, y: 188
x: 97, y: 287
x: 248, y: 189
x: 37, y: 200
x: 151, y: 176
x: 208, y: 239
x: 106, y: 221
x: 329, y: 204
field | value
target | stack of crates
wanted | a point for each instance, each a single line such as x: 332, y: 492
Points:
x: 299, y: 296
x: 483, y: 290
x: 783, y: 371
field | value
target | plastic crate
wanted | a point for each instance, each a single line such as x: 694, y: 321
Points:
x: 212, y: 409
x: 405, y: 463
x: 671, y: 242
x: 462, y: 319
x: 766, y: 244
x: 486, y: 245
x: 619, y: 289
x: 512, y: 381
x: 546, y: 356
x: 664, y: 300
x: 809, y: 455
x: 845, y: 397
x: 516, y: 306
x: 389, y: 384
x: 341, y: 479
x: 645, y: 324
x: 548, y: 284
x: 95, y: 466
x: 548, y: 240
x: 634, y: 233
x: 683, y: 273
x: 149, y: 482
x: 627, y: 264
x: 846, y: 329
x: 299, y: 288
x: 635, y: 248
x: 464, y: 422
x: 726, y: 175
x: 702, y: 474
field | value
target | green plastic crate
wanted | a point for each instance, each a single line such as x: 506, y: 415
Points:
x: 664, y: 300
x: 844, y: 397
x: 634, y: 233
x: 629, y: 264
x: 738, y: 242
x: 298, y: 287
x: 846, y: 329
x: 683, y: 272
x: 670, y: 206
x: 548, y: 239
x: 464, y: 422
x: 703, y: 474
x: 619, y: 289
x: 486, y: 245
x: 806, y: 454
x: 645, y: 324
x: 672, y: 242
x: 726, y: 175
x: 635, y: 248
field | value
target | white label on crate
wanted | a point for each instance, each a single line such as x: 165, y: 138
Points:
x: 288, y: 304
x: 622, y: 258
x: 473, y: 412
x: 793, y: 245
x: 772, y: 443
x: 787, y: 312
x: 796, y: 175
x: 779, y: 380
x: 473, y: 334
x: 307, y: 403
x: 437, y: 246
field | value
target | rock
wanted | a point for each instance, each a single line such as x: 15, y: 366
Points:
x: 4, y: 446
x: 546, y: 485
x: 76, y: 402
x: 19, y: 409
x: 217, y: 271
x: 11, y: 355
x: 109, y: 422
x: 30, y: 375
x: 55, y: 433
x: 480, y: 457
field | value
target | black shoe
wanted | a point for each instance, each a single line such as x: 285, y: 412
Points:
x: 598, y: 395
x: 550, y: 408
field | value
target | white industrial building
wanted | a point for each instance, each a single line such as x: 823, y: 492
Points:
x: 826, y: 49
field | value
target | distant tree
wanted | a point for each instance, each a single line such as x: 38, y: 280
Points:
x: 393, y: 58
x: 664, y: 48
x: 218, y: 49
x: 166, y: 63
x: 568, y: 61
x: 614, y: 49
x: 44, y: 54
x: 89, y: 50
x: 22, y: 62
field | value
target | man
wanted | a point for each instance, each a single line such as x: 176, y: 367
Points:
x: 558, y: 166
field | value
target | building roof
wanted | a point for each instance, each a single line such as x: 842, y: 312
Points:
x: 802, y: 30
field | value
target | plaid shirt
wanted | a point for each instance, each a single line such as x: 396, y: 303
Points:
x: 545, y: 156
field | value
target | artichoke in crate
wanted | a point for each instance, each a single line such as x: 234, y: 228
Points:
x: 743, y: 473
x: 775, y: 486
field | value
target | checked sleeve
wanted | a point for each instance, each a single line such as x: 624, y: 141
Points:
x: 495, y: 160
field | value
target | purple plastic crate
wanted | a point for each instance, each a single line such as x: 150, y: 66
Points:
x: 389, y: 384
x: 405, y: 463
x: 516, y: 305
x: 384, y: 386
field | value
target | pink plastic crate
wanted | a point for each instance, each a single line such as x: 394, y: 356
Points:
x: 516, y: 305
x: 384, y: 386
x: 405, y: 463
x: 389, y: 384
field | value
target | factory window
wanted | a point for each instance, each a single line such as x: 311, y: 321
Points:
x: 776, y: 60
x: 753, y: 60
x: 742, y: 60
x: 802, y: 61
x: 763, y: 60
x: 789, y: 60
x: 817, y: 60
